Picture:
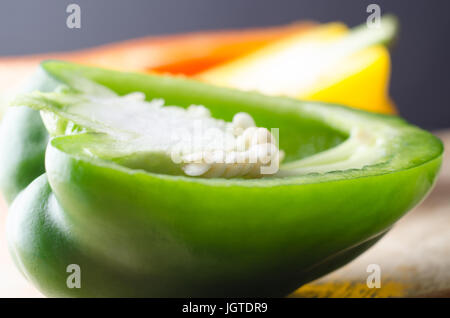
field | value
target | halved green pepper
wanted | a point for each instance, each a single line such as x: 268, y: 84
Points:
x: 140, y: 233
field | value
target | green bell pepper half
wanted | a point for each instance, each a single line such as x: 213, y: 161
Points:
x: 136, y: 233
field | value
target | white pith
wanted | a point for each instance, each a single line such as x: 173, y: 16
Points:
x: 202, y: 145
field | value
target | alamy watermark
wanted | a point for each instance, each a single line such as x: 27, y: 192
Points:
x: 373, y: 20
x: 245, y: 150
x: 74, y: 279
x: 73, y: 20
x: 374, y: 279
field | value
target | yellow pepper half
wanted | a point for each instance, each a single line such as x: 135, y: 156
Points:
x: 328, y: 63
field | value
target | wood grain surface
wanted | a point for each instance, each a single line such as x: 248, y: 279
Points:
x: 414, y: 257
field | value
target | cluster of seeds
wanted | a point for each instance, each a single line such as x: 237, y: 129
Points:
x: 252, y: 148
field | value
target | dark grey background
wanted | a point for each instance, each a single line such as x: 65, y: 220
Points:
x: 420, y: 80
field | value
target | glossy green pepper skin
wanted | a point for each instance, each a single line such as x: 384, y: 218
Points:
x: 23, y: 139
x: 140, y: 234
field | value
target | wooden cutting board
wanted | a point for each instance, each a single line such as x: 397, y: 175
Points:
x: 413, y: 258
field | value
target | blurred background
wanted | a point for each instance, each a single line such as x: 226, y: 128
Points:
x: 421, y: 71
